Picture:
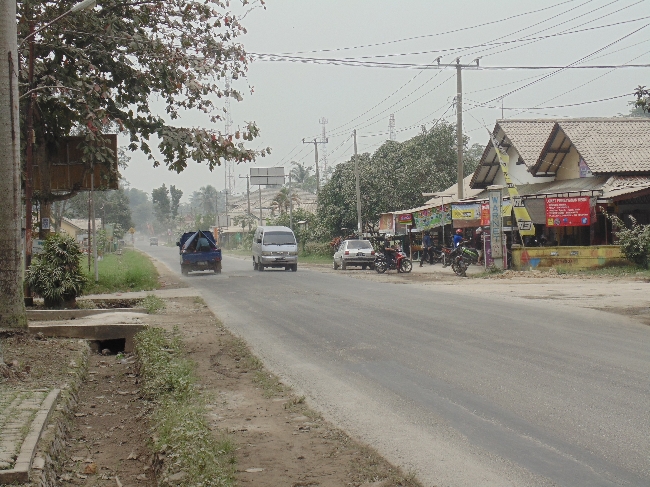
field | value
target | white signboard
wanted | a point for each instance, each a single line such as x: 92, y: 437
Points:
x: 37, y: 246
x: 496, y: 224
x: 45, y: 223
x: 267, y: 176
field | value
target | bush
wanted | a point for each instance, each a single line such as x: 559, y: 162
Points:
x: 56, y: 273
x: 634, y: 241
x: 318, y: 248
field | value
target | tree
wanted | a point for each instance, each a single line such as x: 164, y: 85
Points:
x: 393, y: 178
x: 161, y: 204
x: 111, y: 206
x: 302, y: 178
x: 246, y: 220
x: 140, y: 206
x: 282, y: 201
x: 642, y: 98
x: 175, y: 195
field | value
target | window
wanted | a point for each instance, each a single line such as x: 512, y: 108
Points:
x: 359, y: 244
x: 279, y: 238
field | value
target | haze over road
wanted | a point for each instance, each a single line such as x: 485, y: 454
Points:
x: 463, y: 390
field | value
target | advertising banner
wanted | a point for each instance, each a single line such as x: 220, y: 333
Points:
x: 432, y: 217
x: 405, y: 219
x: 386, y: 223
x: 485, y: 214
x: 470, y: 211
x: 496, y: 224
x: 568, y: 212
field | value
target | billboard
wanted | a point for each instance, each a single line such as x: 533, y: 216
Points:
x: 267, y: 176
x: 67, y: 171
x: 432, y: 217
x: 568, y: 212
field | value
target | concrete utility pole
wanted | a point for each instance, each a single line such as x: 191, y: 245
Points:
x: 459, y: 120
x: 12, y: 305
x: 260, y: 188
x: 356, y: 177
x: 225, y: 190
x: 323, y: 138
x: 290, y: 204
x: 248, y: 197
x: 316, y: 142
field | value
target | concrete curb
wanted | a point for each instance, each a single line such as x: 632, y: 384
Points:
x: 48, y: 459
x: 20, y: 472
x: 70, y: 314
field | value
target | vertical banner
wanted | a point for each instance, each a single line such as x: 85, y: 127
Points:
x: 496, y: 225
x: 485, y: 214
x: 524, y: 222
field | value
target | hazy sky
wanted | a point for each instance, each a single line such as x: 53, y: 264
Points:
x: 290, y: 98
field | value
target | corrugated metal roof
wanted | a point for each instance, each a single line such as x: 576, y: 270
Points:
x: 608, y: 145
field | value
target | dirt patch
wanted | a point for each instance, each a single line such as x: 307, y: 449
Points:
x: 25, y: 367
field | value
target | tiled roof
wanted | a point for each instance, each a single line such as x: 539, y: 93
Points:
x: 528, y: 136
x: 612, y: 145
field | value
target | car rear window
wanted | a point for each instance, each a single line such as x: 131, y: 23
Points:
x: 359, y: 244
x: 279, y: 238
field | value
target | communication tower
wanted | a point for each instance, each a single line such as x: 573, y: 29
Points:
x: 391, y: 127
x: 323, y: 158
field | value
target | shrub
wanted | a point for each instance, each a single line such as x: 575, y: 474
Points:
x: 634, y: 241
x: 56, y: 273
x: 318, y: 248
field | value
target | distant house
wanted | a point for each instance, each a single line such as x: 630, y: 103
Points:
x: 78, y: 228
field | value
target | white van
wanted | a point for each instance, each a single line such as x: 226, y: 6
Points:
x: 275, y: 247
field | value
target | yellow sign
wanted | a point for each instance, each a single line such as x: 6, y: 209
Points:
x: 131, y: 230
x: 524, y: 223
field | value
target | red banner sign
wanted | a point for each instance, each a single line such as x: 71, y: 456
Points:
x: 405, y: 219
x: 568, y: 212
x: 485, y: 214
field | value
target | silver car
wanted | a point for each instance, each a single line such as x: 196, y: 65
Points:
x: 354, y: 252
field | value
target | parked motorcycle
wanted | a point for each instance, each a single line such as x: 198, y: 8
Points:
x: 433, y: 256
x: 401, y: 263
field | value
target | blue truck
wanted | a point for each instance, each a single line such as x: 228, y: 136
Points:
x: 199, y: 252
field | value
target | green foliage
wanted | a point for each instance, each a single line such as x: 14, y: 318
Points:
x: 108, y: 68
x: 244, y: 221
x: 304, y: 232
x: 131, y: 271
x: 181, y: 430
x: 282, y: 202
x: 302, y: 178
x: 633, y: 240
x: 112, y: 206
x: 642, y: 98
x: 161, y: 204
x: 393, y: 178
x: 318, y: 249
x: 152, y: 303
x: 175, y: 195
x: 56, y: 273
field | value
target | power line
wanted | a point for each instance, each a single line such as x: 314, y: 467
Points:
x: 384, y: 43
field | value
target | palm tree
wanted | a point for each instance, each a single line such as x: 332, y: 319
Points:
x: 302, y: 177
x: 281, y: 201
x: 207, y: 199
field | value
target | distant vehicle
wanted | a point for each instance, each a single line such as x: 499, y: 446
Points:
x: 153, y: 241
x: 199, y: 252
x: 275, y: 247
x: 354, y: 253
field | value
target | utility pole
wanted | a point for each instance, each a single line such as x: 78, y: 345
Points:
x: 260, y: 188
x: 248, y: 197
x: 316, y: 142
x: 356, y: 177
x: 391, y: 127
x: 225, y: 190
x: 290, y: 204
x: 459, y: 120
x: 459, y: 125
x: 92, y: 206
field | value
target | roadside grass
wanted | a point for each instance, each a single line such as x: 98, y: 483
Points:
x: 181, y: 437
x: 131, y: 271
x: 152, y: 304
x: 269, y: 383
x: 614, y: 271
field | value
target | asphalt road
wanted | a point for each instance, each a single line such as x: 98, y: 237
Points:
x: 459, y: 389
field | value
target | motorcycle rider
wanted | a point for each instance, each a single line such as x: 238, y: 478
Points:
x: 458, y: 238
x: 389, y: 251
x: 427, y: 249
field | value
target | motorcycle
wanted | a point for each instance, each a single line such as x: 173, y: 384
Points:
x: 401, y: 263
x: 461, y: 258
x: 433, y: 256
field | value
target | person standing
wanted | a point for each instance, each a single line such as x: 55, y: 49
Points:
x: 478, y: 244
x: 427, y: 245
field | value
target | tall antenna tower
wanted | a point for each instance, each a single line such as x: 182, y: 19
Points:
x: 323, y: 157
x: 391, y: 127
x: 228, y: 165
